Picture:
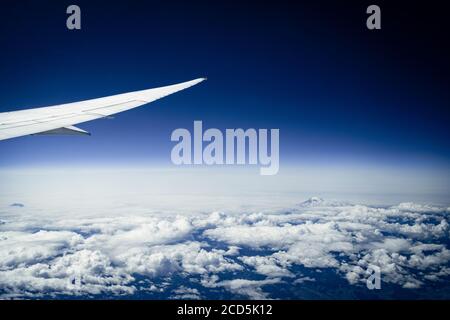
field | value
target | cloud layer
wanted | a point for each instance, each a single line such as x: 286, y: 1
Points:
x: 255, y: 255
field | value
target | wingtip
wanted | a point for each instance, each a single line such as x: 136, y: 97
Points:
x: 198, y: 80
x: 194, y: 81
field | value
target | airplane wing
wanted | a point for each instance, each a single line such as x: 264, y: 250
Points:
x: 60, y: 119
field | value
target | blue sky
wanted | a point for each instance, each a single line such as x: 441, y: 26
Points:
x: 338, y: 92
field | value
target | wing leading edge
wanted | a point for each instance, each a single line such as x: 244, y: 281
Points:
x: 60, y: 119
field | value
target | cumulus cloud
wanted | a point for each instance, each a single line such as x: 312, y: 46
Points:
x: 252, y: 289
x: 186, y: 293
x: 268, y: 266
x: 240, y: 253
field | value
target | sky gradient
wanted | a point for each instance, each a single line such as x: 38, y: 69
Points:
x: 339, y: 93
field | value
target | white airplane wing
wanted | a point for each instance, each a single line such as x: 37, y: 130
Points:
x: 60, y: 119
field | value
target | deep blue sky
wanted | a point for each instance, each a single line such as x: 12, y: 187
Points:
x: 338, y: 92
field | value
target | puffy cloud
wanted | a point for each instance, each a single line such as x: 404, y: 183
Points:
x: 242, y: 253
x: 252, y: 289
x: 186, y: 293
x: 188, y: 257
x: 268, y: 266
x: 327, y: 234
x: 83, y: 272
x: 19, y: 249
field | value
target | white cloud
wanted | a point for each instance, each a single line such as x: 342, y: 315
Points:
x: 268, y: 266
x: 252, y: 289
x: 186, y: 293
x: 21, y: 248
x: 303, y: 280
x: 83, y: 272
x: 106, y: 255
